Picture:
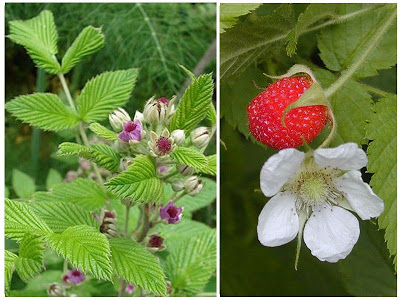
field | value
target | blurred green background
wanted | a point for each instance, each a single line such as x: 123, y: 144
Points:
x: 247, y: 267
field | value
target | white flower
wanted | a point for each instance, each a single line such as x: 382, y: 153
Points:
x: 317, y: 189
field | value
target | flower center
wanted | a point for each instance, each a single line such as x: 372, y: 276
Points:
x: 156, y: 241
x: 163, y: 145
x: 163, y: 100
x: 172, y: 211
x: 130, y: 126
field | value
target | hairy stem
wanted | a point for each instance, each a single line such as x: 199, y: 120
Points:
x: 332, y: 134
x: 146, y: 224
x: 127, y: 215
x: 347, y: 74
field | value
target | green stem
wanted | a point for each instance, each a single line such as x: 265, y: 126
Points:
x: 127, y: 220
x: 332, y: 134
x: 146, y: 224
x: 346, y: 75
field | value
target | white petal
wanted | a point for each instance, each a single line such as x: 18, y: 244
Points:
x: 359, y: 195
x: 278, y: 169
x: 346, y: 157
x: 278, y: 222
x: 331, y: 233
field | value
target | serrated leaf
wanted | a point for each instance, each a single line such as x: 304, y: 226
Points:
x: 9, y: 261
x: 104, y: 93
x: 43, y: 110
x: 138, y: 182
x: 85, y: 248
x: 137, y: 265
x: 229, y: 13
x: 313, y: 13
x: 203, y: 199
x: 23, y: 184
x: 68, y: 148
x: 39, y: 36
x: 53, y: 177
x: 190, y: 157
x: 245, y: 43
x: 89, y: 41
x: 20, y: 219
x: 61, y: 215
x: 82, y: 192
x: 382, y: 162
x: 103, y: 132
x: 211, y: 115
x: 190, y: 266
x: 211, y: 167
x: 342, y: 44
x: 105, y: 156
x: 30, y: 257
x: 193, y: 106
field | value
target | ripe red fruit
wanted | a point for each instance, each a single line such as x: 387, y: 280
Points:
x: 266, y: 109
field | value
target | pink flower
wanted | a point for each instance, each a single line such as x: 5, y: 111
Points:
x: 132, y: 131
x: 130, y: 289
x: 75, y: 276
x: 171, y: 213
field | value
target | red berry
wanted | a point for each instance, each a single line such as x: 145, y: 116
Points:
x: 266, y: 109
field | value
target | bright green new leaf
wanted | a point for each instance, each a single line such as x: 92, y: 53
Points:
x: 83, y: 192
x: 85, y: 248
x: 30, y: 257
x: 43, y: 110
x: 39, y: 36
x: 211, y: 115
x: 190, y: 266
x: 103, y: 132
x: 105, y: 156
x: 190, y: 157
x: 9, y: 261
x: 138, y: 182
x: 104, y: 93
x: 89, y: 41
x: 60, y: 215
x: 382, y: 159
x: 68, y: 148
x: 53, y: 177
x: 20, y: 219
x: 211, y: 168
x: 231, y: 11
x: 194, y: 104
x: 23, y: 184
x: 203, y: 199
x: 137, y: 265
x: 342, y: 44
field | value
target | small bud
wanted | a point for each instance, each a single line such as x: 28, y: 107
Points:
x: 138, y: 116
x: 171, y: 213
x: 117, y: 118
x: 179, y: 136
x: 200, y: 137
x: 108, y: 223
x: 130, y: 289
x: 85, y: 164
x: 163, y: 171
x: 185, y: 170
x: 75, y: 276
x: 125, y: 162
x: 156, y: 110
x: 155, y: 243
x: 193, y: 185
x: 56, y: 290
x: 177, y: 185
x: 70, y: 176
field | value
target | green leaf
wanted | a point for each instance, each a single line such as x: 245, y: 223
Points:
x: 194, y: 105
x: 85, y: 248
x: 104, y: 93
x: 190, y: 157
x: 313, y: 13
x: 382, y: 163
x: 103, y: 132
x: 211, y: 168
x: 341, y: 45
x: 68, y: 148
x: 61, y: 215
x: 43, y: 110
x: 138, y: 182
x: 203, y: 199
x: 245, y: 43
x: 229, y: 13
x: 30, y: 257
x: 42, y: 281
x: 23, y: 184
x: 82, y: 192
x: 89, y: 41
x: 6, y: 192
x: 20, y: 219
x: 53, y: 177
x: 39, y: 36
x: 190, y: 266
x: 137, y: 265
x: 105, y: 156
x: 211, y: 115
x: 9, y: 261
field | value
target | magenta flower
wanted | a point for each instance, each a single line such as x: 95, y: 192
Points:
x: 163, y: 100
x: 171, y: 213
x: 130, y: 289
x: 132, y: 131
x: 75, y: 276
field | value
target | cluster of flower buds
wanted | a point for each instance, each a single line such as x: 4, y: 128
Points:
x: 108, y: 223
x: 171, y: 213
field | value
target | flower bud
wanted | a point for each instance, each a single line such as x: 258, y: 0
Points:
x: 185, y: 170
x: 125, y: 162
x: 156, y: 110
x: 179, y: 136
x: 171, y: 213
x: 70, y: 176
x: 56, y: 290
x: 85, y: 164
x: 177, y: 185
x: 138, y: 116
x: 155, y: 243
x: 130, y: 289
x: 108, y: 223
x: 163, y: 171
x: 75, y: 276
x: 117, y: 118
x: 193, y: 185
x: 200, y: 137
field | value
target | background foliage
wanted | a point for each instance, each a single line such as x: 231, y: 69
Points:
x: 270, y: 38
